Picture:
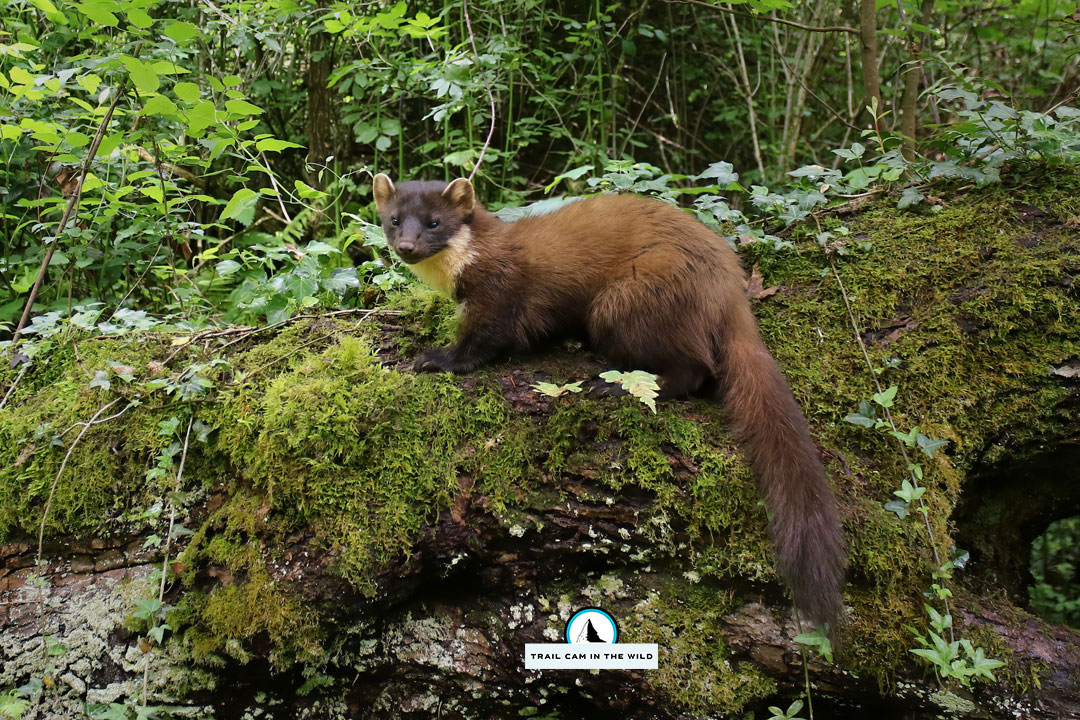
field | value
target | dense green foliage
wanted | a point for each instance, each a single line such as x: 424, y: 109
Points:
x: 234, y: 171
x: 1055, y: 567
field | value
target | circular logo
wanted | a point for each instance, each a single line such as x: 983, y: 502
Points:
x: 591, y: 625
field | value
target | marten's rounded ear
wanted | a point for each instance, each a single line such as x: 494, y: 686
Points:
x: 383, y: 190
x: 460, y: 195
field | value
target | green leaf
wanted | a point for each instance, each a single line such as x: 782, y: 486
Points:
x: 181, y: 31
x: 153, y: 192
x: 723, y: 172
x: 243, y: 107
x: 272, y: 144
x: 51, y: 13
x: 241, y: 207
x: 319, y: 248
x: 568, y: 175
x: 908, y: 438
x: 929, y: 446
x: 306, y: 191
x: 638, y: 383
x: 139, y: 18
x: 553, y: 390
x: 89, y: 82
x: 909, y: 198
x: 160, y: 105
x: 227, y: 267
x: 101, y: 380
x: 141, y: 74
x: 186, y: 91
x: 885, y: 398
x: 158, y: 632
x: 100, y: 11
x: 900, y: 508
x: 19, y: 75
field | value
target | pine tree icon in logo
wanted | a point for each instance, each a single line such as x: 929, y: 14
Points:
x: 589, y: 634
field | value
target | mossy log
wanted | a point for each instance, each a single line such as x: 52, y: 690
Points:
x: 366, y: 542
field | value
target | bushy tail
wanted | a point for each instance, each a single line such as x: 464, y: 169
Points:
x: 803, y: 518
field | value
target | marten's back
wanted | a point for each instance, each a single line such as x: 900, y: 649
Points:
x: 592, y: 242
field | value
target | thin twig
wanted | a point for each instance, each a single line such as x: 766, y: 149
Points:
x: 168, y: 541
x: 277, y: 190
x: 25, y: 367
x: 487, y: 86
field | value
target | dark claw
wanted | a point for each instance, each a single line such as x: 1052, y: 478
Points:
x: 432, y: 360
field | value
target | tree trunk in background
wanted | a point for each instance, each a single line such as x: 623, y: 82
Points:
x: 868, y: 36
x: 909, y: 105
x: 320, y: 132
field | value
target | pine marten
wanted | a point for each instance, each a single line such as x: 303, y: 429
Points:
x: 651, y: 288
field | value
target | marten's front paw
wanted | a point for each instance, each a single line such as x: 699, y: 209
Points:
x: 433, y: 360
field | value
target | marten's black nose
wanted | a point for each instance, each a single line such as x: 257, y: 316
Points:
x: 406, y: 246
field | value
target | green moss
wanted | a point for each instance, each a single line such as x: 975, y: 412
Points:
x: 253, y: 616
x: 696, y: 671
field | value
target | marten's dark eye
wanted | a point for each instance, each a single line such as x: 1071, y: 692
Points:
x: 433, y: 224
x: 394, y: 221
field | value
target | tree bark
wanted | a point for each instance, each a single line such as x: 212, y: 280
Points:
x: 909, y: 104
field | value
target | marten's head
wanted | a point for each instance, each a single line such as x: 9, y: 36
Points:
x: 420, y: 219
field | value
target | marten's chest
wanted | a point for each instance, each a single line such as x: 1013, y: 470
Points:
x: 442, y: 270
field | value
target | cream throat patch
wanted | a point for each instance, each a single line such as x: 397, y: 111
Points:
x: 441, y: 270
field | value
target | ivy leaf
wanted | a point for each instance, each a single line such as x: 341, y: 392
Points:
x: 147, y: 608
x: 906, y: 438
x: 112, y: 711
x: 124, y: 372
x: 899, y: 507
x: 158, y: 632
x: 723, y: 172
x: 908, y: 492
x: 865, y: 417
x: 910, y: 197
x: 101, y: 380
x: 885, y: 398
x: 929, y: 446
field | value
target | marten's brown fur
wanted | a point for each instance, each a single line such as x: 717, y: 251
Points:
x: 652, y: 289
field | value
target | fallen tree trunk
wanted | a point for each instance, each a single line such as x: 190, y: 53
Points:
x: 371, y: 543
